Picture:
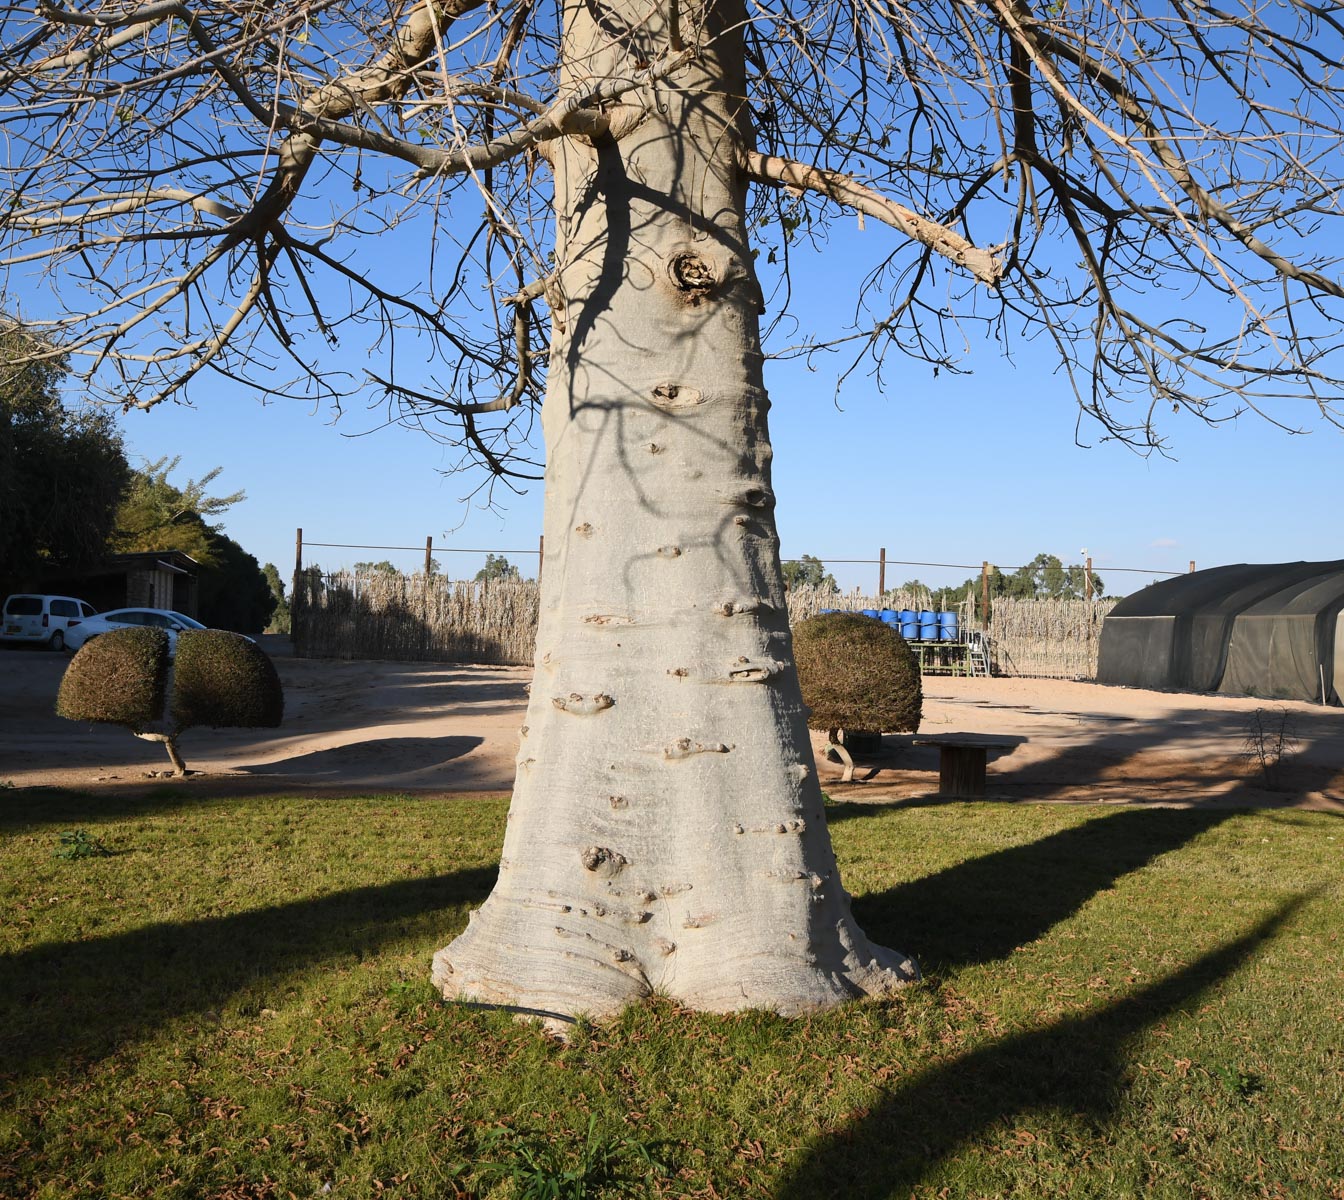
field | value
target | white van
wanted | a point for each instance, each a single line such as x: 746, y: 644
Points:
x: 41, y: 618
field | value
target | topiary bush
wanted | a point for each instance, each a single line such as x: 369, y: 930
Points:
x: 119, y: 678
x: 858, y: 675
x: 219, y: 679
x: 224, y: 679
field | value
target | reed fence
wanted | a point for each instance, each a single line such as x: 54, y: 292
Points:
x: 411, y: 618
x: 414, y: 618
x: 1054, y: 638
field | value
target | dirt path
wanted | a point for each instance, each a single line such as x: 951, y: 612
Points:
x: 431, y: 727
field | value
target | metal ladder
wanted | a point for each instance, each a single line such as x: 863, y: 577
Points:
x: 977, y: 653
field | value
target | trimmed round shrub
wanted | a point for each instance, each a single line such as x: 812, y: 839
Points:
x: 118, y: 677
x: 857, y: 674
x: 224, y: 680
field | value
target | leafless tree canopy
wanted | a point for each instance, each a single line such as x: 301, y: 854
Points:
x: 227, y: 186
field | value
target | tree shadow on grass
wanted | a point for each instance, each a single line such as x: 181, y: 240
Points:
x: 33, y: 808
x: 1075, y: 1066
x: 982, y: 909
x: 64, y: 1003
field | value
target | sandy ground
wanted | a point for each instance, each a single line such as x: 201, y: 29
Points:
x: 428, y: 727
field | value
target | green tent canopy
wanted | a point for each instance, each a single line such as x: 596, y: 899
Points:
x: 1251, y: 629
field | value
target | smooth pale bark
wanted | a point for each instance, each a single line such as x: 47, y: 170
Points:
x: 667, y: 831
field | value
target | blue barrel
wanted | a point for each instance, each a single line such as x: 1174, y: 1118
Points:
x: 948, y: 627
x: 909, y: 616
x: 821, y: 612
x: 910, y: 631
x: 928, y: 618
x: 929, y: 632
x: 890, y: 617
x: 871, y: 612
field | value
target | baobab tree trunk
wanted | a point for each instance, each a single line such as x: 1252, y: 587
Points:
x: 667, y: 831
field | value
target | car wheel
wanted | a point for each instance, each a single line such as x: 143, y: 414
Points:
x: 57, y: 641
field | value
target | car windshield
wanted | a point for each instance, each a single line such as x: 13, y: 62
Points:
x: 183, y: 619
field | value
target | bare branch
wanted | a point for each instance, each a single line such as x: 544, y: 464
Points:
x: 765, y: 168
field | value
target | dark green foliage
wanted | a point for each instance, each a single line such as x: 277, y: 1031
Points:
x: 235, y: 592
x: 80, y: 843
x: 1044, y: 578
x: 857, y: 673
x: 496, y: 567
x: 279, y: 622
x: 808, y: 571
x: 62, y: 470
x: 118, y: 677
x: 223, y: 679
x: 158, y: 515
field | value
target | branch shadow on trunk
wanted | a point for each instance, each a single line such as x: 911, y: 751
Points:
x: 1075, y: 1066
x: 62, y: 1003
x: 981, y: 910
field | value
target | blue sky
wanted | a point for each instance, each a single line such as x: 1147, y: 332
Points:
x: 951, y: 470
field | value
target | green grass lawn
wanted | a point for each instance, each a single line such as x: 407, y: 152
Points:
x: 234, y: 1003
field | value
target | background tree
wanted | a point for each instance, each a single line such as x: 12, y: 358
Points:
x: 496, y: 567
x: 62, y: 470
x: 279, y: 622
x: 196, y: 184
x: 1047, y: 578
x: 234, y: 591
x: 808, y: 571
x: 156, y: 514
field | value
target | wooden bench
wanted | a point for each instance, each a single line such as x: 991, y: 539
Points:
x: 962, y: 758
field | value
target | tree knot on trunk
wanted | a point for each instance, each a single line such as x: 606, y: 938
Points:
x: 755, y: 496
x: 734, y: 608
x: 602, y: 861
x: 675, y: 397
x: 583, y: 706
x: 687, y: 748
x: 693, y: 276
x: 746, y: 671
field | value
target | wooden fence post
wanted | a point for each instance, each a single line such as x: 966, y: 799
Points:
x: 984, y: 595
x: 881, y: 572
x: 294, y: 601
x: 429, y: 562
x: 1087, y: 580
x: 1192, y: 566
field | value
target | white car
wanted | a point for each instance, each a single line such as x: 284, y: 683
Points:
x: 42, y: 620
x: 124, y: 618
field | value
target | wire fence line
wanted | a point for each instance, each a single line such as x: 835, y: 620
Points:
x: 427, y: 617
x: 881, y: 562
